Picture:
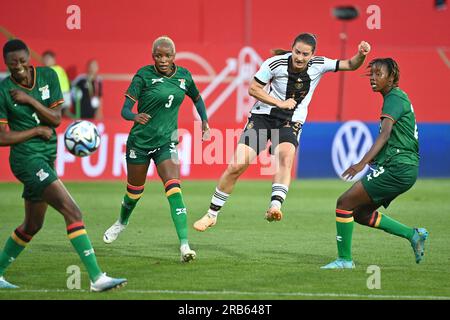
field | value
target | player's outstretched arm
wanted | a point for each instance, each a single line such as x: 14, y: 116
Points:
x: 357, y: 60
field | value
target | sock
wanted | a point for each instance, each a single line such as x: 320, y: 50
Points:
x: 131, y: 198
x: 344, y: 228
x: 80, y: 241
x: 177, y: 209
x: 389, y: 225
x: 279, y: 192
x: 218, y: 200
x: 13, y: 247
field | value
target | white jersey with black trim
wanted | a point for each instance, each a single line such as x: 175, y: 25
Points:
x: 283, y: 83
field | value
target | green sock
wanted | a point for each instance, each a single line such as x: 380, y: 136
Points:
x: 344, y: 228
x: 80, y: 241
x: 127, y: 208
x: 13, y: 247
x: 177, y: 209
x: 394, y: 227
x: 129, y: 202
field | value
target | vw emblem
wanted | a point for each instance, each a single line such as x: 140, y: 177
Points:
x: 350, y: 144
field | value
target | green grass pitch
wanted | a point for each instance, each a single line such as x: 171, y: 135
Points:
x: 243, y: 256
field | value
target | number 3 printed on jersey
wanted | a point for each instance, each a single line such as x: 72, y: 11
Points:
x: 169, y: 103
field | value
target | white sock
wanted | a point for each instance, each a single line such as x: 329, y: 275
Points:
x: 217, y: 201
x: 279, y: 192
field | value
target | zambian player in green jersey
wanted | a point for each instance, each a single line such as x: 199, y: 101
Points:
x: 30, y: 105
x: 396, y: 156
x: 159, y: 90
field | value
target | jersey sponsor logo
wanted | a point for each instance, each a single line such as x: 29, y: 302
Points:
x: 132, y: 154
x: 350, y: 144
x: 158, y: 80
x: 42, y: 175
x: 182, y: 83
x: 45, y: 92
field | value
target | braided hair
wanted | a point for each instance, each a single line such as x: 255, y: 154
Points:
x: 391, y: 66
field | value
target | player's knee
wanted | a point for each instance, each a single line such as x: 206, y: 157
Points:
x: 236, y: 169
x: 285, y: 162
x: 32, y: 228
x: 361, y: 218
x: 342, y: 203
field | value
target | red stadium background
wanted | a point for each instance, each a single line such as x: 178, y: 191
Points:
x: 221, y: 43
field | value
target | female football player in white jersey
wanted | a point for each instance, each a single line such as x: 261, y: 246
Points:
x: 283, y: 87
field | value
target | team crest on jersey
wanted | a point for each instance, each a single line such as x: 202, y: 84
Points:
x: 182, y: 83
x: 45, y: 92
x: 298, y: 84
x: 250, y: 125
x: 158, y: 80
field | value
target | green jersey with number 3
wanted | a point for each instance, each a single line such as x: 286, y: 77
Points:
x: 20, y: 117
x: 160, y: 97
x: 403, y: 144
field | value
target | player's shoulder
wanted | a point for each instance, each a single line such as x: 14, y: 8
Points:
x: 317, y: 60
x: 146, y: 69
x: 277, y: 60
x: 183, y: 71
x: 45, y: 71
x: 397, y: 94
x: 4, y: 83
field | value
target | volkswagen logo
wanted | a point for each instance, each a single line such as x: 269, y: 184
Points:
x: 350, y: 144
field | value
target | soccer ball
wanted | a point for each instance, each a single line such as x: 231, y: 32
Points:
x: 81, y: 138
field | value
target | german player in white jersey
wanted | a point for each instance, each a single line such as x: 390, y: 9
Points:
x: 283, y: 87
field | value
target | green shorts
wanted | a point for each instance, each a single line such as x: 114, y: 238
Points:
x: 386, y: 183
x: 36, y: 174
x: 136, y: 155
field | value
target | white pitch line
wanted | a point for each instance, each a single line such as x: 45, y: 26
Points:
x: 245, y: 293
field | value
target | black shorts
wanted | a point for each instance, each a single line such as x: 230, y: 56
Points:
x: 261, y: 128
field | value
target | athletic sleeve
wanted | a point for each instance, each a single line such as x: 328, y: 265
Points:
x: 330, y: 65
x: 192, y: 90
x: 264, y: 74
x: 392, y: 107
x: 3, y: 112
x: 134, y: 90
x: 56, y: 97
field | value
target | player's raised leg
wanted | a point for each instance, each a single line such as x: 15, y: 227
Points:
x: 21, y: 236
x: 57, y: 196
x: 373, y: 218
x: 243, y: 156
x: 136, y: 176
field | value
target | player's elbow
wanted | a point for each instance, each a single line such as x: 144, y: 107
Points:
x: 252, y: 91
x: 56, y: 121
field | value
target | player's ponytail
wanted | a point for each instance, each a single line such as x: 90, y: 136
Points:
x: 279, y: 52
